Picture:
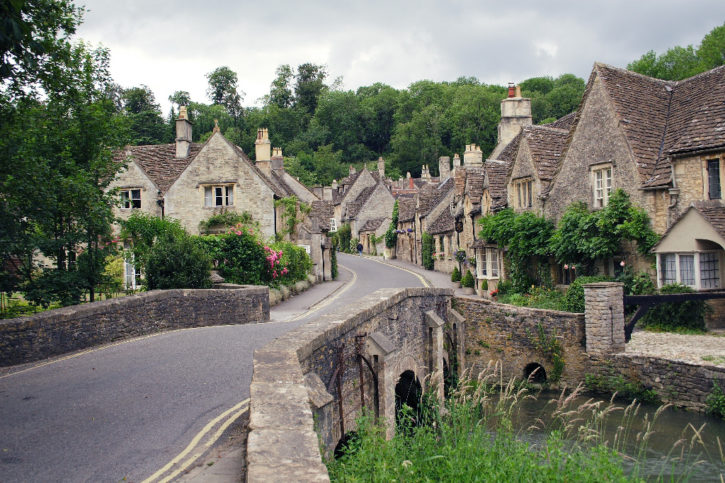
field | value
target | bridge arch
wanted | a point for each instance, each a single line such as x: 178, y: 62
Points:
x: 408, y: 392
x: 535, y: 372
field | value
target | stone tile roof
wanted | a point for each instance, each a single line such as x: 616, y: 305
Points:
x: 714, y: 213
x: 278, y: 181
x: 354, y: 207
x: 565, y: 122
x: 546, y: 145
x: 321, y: 212
x: 474, y: 182
x: 443, y: 224
x: 431, y: 195
x: 159, y: 162
x: 509, y: 152
x: 496, y: 174
x: 349, y: 180
x: 406, y: 209
x: 372, y: 225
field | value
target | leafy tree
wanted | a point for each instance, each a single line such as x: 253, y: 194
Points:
x: 675, y: 64
x: 280, y: 91
x: 224, y: 91
x: 427, y: 247
x: 144, y: 114
x: 310, y: 83
x: 712, y: 49
x: 180, y: 98
x: 378, y: 104
x: 34, y: 42
x: 177, y: 262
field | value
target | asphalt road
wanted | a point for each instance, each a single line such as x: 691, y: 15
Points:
x: 123, y: 411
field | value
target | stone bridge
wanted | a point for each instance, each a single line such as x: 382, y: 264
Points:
x: 311, y: 385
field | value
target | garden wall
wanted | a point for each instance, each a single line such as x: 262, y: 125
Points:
x: 58, y: 331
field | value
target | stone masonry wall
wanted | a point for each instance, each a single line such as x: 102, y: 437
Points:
x: 505, y: 334
x: 78, y: 327
x: 294, y: 399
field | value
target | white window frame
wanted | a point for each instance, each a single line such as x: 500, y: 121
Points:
x: 524, y: 195
x: 218, y: 195
x: 601, y: 185
x: 697, y: 262
x: 333, y: 225
x: 488, y: 263
x: 130, y: 199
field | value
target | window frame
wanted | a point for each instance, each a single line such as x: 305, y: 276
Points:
x: 212, y: 194
x: 713, y: 173
x: 128, y: 200
x: 670, y: 269
x: 524, y: 190
x: 602, y: 185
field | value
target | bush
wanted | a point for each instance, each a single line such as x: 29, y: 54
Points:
x: 456, y: 275
x: 239, y: 256
x: 343, y: 235
x: 677, y: 316
x: 428, y: 244
x: 226, y: 220
x: 295, y: 260
x: 467, y: 280
x: 715, y: 401
x: 177, y: 262
x: 574, y: 298
x: 333, y: 257
x: 504, y: 287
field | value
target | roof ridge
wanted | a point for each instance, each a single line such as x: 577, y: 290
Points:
x: 633, y: 73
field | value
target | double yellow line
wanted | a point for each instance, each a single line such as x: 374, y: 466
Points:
x: 196, y: 448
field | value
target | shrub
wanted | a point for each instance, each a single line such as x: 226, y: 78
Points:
x: 626, y: 389
x: 574, y: 298
x: 677, y: 316
x: 504, y: 287
x: 467, y: 280
x: 226, y: 220
x: 239, y: 256
x: 455, y: 275
x: 715, y: 401
x: 333, y: 258
x: 484, y: 285
x: 343, y: 235
x: 428, y: 244
x: 177, y: 262
x: 294, y: 260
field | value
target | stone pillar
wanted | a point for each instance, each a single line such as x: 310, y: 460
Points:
x: 604, y: 317
x: 435, y: 323
x: 381, y: 352
x: 459, y: 325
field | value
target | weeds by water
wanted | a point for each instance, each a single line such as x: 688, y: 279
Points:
x: 477, y: 436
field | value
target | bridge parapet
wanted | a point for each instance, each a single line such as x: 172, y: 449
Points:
x: 604, y: 315
x: 321, y: 375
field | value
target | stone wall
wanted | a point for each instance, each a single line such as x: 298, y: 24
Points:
x: 506, y: 334
x: 78, y: 327
x: 295, y: 387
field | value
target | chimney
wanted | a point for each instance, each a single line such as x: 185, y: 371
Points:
x: 262, y: 145
x: 518, y: 91
x: 351, y: 170
x: 334, y: 184
x: 183, y: 134
x: 515, y: 115
x: 444, y: 167
x: 424, y: 173
x: 277, y: 159
x: 326, y: 193
x: 456, y: 161
x: 381, y: 167
x: 473, y: 156
x: 411, y: 184
x: 512, y: 91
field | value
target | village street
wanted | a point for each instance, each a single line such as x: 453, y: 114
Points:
x: 126, y: 410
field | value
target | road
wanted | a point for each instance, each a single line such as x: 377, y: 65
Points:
x: 127, y: 410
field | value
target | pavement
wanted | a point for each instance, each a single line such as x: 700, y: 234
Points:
x: 226, y: 462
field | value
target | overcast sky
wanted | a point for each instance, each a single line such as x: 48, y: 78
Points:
x: 170, y: 45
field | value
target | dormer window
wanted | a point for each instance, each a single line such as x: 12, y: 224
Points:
x: 218, y: 195
x: 523, y: 193
x: 602, y: 184
x: 131, y: 199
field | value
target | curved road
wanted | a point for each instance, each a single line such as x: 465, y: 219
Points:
x: 126, y: 410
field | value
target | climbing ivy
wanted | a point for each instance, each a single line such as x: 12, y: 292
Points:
x: 428, y: 245
x: 551, y: 348
x: 391, y: 236
x: 292, y: 207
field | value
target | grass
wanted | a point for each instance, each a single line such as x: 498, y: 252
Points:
x: 474, y: 439
x: 539, y: 298
x: 714, y: 359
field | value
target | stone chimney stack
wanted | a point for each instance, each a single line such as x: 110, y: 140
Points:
x: 351, y: 170
x: 515, y: 115
x: 424, y: 173
x: 381, y: 167
x: 183, y: 134
x: 456, y: 161
x: 473, y: 156
x: 262, y: 146
x: 444, y: 167
x: 277, y: 159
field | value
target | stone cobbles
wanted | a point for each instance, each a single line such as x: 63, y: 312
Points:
x: 694, y: 349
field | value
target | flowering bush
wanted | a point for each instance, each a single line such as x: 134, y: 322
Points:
x: 461, y: 256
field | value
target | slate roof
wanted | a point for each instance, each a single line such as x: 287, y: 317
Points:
x: 372, y: 225
x: 546, y: 145
x: 354, y: 207
x: 321, y: 212
x: 406, y: 209
x: 443, y: 224
x: 665, y: 118
x: 430, y: 195
x: 509, y: 152
x: 474, y: 182
x: 496, y: 174
x: 565, y: 122
x: 159, y: 162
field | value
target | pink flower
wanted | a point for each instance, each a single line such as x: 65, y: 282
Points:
x: 621, y: 264
x: 285, y: 271
x: 238, y: 232
x: 573, y: 267
x: 566, y: 266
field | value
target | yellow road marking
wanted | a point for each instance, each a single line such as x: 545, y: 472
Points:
x: 195, y: 440
x: 420, y: 277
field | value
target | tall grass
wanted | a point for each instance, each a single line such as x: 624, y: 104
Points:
x: 475, y: 436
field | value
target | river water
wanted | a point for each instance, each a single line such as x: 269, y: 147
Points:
x: 683, y: 445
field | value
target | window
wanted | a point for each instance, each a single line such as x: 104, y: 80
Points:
x: 709, y: 270
x: 684, y: 267
x: 524, y: 193
x: 333, y: 225
x: 131, y: 199
x: 602, y: 186
x: 487, y: 263
x: 713, y: 179
x: 218, y: 196
x: 493, y: 257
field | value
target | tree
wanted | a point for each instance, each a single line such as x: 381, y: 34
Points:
x: 675, y: 64
x: 280, y: 91
x: 57, y: 160
x: 34, y: 39
x: 223, y: 90
x: 310, y: 82
x: 180, y: 98
x: 144, y: 114
x: 712, y: 49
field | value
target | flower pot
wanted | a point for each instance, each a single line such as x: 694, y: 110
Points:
x: 467, y: 290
